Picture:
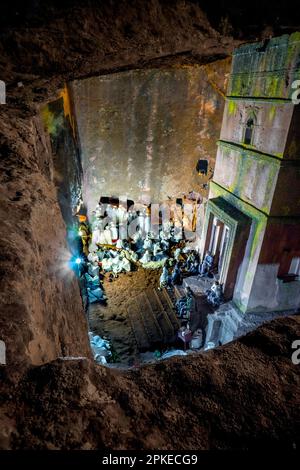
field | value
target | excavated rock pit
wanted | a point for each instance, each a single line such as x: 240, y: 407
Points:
x: 238, y: 396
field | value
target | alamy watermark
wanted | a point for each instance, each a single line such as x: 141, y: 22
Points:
x: 184, y: 221
x: 296, y: 354
x: 2, y: 353
x: 296, y: 93
x: 2, y: 92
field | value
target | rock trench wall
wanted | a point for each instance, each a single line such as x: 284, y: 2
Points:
x: 41, y: 315
x: 142, y: 132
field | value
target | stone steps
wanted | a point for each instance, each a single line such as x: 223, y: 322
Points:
x: 161, y: 316
x: 138, y: 328
x: 168, y: 308
x: 153, y: 319
x: 152, y: 327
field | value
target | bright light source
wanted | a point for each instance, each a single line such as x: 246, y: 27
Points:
x: 78, y: 260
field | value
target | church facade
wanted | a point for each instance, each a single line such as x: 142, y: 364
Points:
x: 252, y: 221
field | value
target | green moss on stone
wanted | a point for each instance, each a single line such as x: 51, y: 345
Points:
x: 232, y: 106
x: 259, y: 219
x: 272, y: 112
x: 272, y: 64
x: 52, y: 122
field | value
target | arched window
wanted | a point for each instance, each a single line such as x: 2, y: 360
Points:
x: 249, y: 131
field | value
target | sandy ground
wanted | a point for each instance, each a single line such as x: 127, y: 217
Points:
x: 112, y: 320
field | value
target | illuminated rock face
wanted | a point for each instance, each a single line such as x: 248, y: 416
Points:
x: 142, y: 132
x: 41, y: 307
x: 41, y: 313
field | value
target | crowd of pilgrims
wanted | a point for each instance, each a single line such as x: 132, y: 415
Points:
x: 105, y: 252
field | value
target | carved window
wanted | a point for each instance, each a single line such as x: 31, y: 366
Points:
x: 249, y: 131
x: 202, y: 167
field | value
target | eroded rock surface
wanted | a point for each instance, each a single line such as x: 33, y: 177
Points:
x: 242, y: 395
x: 41, y: 311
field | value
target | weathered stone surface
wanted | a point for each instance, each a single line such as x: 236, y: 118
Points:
x: 41, y: 311
x: 63, y: 404
x: 142, y: 132
x: 260, y: 174
x: 275, y: 64
x: 243, y: 395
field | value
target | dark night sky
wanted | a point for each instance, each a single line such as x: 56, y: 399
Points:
x: 253, y: 15
x: 248, y: 18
